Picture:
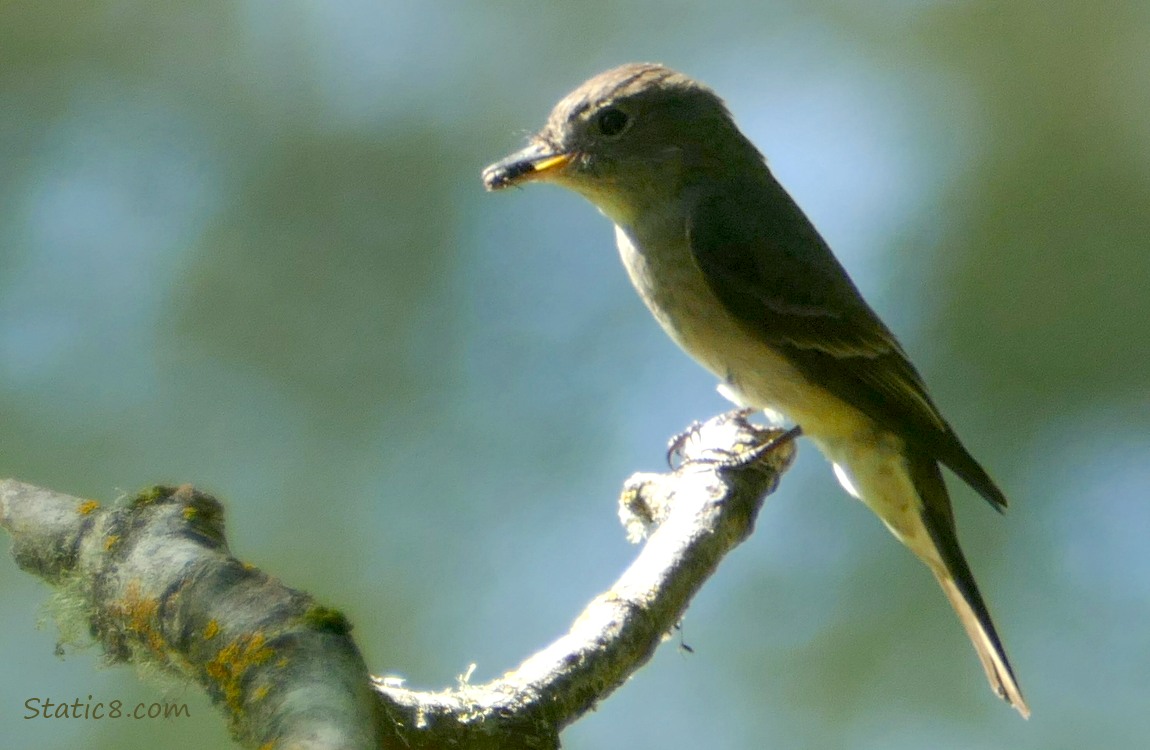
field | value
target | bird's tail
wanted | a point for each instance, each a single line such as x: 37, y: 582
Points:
x: 954, y: 575
x: 976, y: 621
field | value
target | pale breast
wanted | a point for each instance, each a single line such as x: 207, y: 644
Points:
x: 673, y: 287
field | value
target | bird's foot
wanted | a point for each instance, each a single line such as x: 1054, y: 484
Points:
x: 676, y: 444
x: 739, y: 459
x: 732, y: 459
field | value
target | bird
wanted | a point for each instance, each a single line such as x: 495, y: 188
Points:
x: 738, y: 276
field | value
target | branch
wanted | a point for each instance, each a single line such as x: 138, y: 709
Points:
x: 154, y: 582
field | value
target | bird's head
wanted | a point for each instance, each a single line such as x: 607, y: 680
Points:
x: 627, y: 139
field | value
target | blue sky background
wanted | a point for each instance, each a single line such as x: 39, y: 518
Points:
x: 245, y: 245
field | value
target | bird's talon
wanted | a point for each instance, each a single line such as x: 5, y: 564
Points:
x: 677, y: 443
x: 745, y: 458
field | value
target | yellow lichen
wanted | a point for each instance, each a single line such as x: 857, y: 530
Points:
x: 232, y: 662
x: 87, y: 507
x: 140, y: 617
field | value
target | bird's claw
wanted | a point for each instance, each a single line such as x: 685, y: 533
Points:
x: 730, y: 459
x: 678, y: 442
x: 742, y: 459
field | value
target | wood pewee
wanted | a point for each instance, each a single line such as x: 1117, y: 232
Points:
x: 738, y: 276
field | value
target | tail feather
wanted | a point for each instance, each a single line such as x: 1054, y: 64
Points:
x: 953, y: 573
x: 986, y: 644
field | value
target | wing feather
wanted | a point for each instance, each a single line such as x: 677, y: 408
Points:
x: 769, y: 267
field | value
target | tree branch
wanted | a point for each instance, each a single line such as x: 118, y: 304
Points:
x: 155, y: 584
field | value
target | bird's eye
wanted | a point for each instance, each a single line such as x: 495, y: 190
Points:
x: 612, y: 121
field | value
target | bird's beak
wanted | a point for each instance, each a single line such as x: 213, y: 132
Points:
x: 536, y: 162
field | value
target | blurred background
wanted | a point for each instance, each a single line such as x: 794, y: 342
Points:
x: 245, y: 245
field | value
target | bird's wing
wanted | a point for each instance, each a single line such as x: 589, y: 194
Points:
x: 772, y: 271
